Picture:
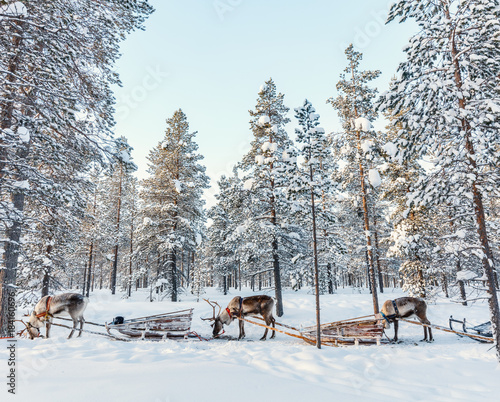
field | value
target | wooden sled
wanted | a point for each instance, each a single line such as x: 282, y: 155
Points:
x: 477, y: 332
x: 354, y: 331
x: 176, y: 324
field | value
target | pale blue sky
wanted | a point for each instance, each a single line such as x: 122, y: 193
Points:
x: 209, y: 57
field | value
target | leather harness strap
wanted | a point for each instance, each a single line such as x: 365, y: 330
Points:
x: 46, y: 313
x: 396, y: 311
x: 391, y: 316
x: 241, y: 303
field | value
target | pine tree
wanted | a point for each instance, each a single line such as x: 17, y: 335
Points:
x: 448, y: 95
x: 223, y: 245
x: 265, y: 169
x: 120, y: 175
x: 355, y: 108
x: 55, y: 77
x: 312, y: 182
x: 172, y: 204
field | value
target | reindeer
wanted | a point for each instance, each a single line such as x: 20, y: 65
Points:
x: 51, y: 306
x: 240, y: 307
x: 405, y: 307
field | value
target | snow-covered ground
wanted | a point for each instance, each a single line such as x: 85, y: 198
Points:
x: 93, y: 368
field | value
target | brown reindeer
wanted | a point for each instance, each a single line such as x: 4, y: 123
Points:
x: 405, y: 307
x: 51, y: 306
x: 240, y: 307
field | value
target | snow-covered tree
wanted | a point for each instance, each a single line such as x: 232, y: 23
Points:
x: 265, y: 171
x: 356, y: 142
x: 119, y: 179
x: 311, y: 184
x: 224, y: 244
x: 55, y: 97
x: 172, y: 200
x: 446, y: 98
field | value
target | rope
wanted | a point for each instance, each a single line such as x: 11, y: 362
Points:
x: 198, y: 336
x: 308, y: 340
x: 86, y: 322
x: 94, y: 332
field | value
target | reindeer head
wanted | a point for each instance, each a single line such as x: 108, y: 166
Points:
x: 33, y: 326
x: 217, y: 324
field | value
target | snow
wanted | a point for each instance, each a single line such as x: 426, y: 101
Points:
x: 21, y: 185
x: 466, y: 275
x: 391, y: 149
x: 366, y: 146
x: 199, y: 239
x: 178, y: 185
x: 269, y: 146
x: 259, y: 159
x: 374, y: 177
x: 14, y: 9
x: 24, y: 134
x: 263, y: 120
x: 283, y: 369
x: 124, y: 156
x: 362, y: 124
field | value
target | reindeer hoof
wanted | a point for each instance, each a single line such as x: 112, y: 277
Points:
x: 263, y: 338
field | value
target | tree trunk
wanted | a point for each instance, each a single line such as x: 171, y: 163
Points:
x: 461, y: 285
x: 377, y: 254
x: 118, y: 210
x: 172, y: 269
x: 8, y: 272
x: 89, y: 270
x: 316, y: 268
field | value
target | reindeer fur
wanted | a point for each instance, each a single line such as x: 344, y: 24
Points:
x: 73, y: 304
x: 261, y: 304
x: 407, y: 307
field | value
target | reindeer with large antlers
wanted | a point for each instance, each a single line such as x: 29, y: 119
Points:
x: 48, y: 307
x: 240, y: 307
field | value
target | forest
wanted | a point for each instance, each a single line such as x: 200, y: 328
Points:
x: 412, y: 206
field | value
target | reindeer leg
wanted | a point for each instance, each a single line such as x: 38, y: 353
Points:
x: 265, y: 332
x: 73, y: 330
x: 242, y: 330
x: 426, y: 321
x: 82, y: 321
x: 273, y: 322
x: 47, y: 328
x: 396, y: 324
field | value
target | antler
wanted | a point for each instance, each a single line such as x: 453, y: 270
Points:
x: 213, y: 304
x: 20, y: 333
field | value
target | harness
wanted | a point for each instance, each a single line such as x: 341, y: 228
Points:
x: 239, y: 310
x: 46, y: 315
x: 391, y: 317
